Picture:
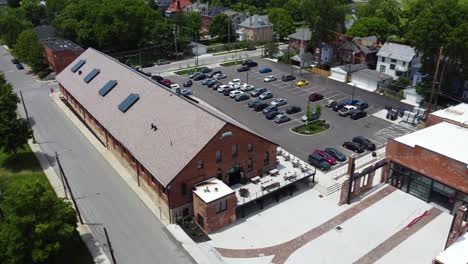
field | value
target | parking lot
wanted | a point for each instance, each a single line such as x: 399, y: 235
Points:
x: 342, y: 128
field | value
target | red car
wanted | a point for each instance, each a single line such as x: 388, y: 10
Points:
x: 315, y: 97
x: 326, y: 156
x: 165, y: 82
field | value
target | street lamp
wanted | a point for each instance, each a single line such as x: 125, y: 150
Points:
x: 354, y: 87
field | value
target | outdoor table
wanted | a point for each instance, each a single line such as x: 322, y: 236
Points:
x: 274, y: 172
x: 255, y: 179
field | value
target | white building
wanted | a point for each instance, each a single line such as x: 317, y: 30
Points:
x: 343, y: 73
x: 395, y: 59
x: 369, y: 80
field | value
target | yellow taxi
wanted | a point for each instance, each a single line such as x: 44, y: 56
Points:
x: 302, y: 83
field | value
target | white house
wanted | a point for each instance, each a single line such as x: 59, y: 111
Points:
x: 340, y: 73
x: 369, y: 80
x: 198, y: 49
x: 395, y: 59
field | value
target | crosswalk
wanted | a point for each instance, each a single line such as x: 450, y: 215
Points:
x: 381, y: 136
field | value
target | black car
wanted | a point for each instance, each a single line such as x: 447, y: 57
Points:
x: 271, y: 115
x: 156, y: 77
x: 338, y: 106
x: 205, y: 70
x: 193, y: 75
x: 228, y: 90
x: 293, y: 109
x: 251, y: 48
x: 249, y: 63
x: 147, y: 65
x: 211, y: 83
x: 364, y: 142
x: 357, y: 114
x: 336, y: 154
x: 259, y: 107
x: 242, y: 97
x: 269, y: 109
x: 243, y: 68
x: 216, y: 85
x: 319, y: 162
x: 15, y: 61
x: 361, y: 105
x: 188, y: 83
x: 353, y: 146
x: 211, y: 74
x: 287, y: 78
x: 257, y: 92
x: 253, y: 103
x: 199, y: 77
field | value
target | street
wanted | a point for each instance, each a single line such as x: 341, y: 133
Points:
x: 103, y: 198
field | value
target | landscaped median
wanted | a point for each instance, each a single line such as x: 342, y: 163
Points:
x: 231, y: 63
x: 188, y: 70
x: 312, y: 128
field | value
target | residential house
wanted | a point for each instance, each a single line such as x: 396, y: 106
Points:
x: 359, y: 51
x: 197, y: 7
x: 236, y: 19
x: 395, y: 59
x: 300, y: 38
x: 198, y: 49
x: 3, y: 3
x: 208, y: 15
x: 308, y: 59
x: 177, y: 6
x: 163, y: 5
x: 257, y: 29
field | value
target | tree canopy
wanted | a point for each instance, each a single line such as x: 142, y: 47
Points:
x: 12, y: 23
x: 220, y: 27
x: 29, y: 49
x: 372, y: 26
x: 389, y: 10
x: 34, y: 10
x: 282, y: 21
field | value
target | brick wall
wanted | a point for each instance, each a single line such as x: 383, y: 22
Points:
x: 58, y: 60
x: 434, y: 120
x: 440, y: 168
x: 213, y: 220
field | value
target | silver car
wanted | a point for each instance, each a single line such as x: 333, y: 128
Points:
x: 270, y: 78
x: 186, y: 91
x: 281, y: 118
x: 279, y: 102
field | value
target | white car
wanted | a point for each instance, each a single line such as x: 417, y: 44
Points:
x: 234, y: 93
x: 222, y: 87
x: 278, y: 102
x: 270, y: 78
x: 219, y: 76
x: 234, y: 81
x: 346, y: 110
x: 174, y: 86
x: 246, y: 87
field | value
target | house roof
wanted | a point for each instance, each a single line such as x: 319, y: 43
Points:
x: 178, y: 5
x: 456, y: 253
x: 371, y: 75
x: 230, y: 13
x: 164, y: 3
x: 307, y: 56
x: 57, y: 44
x: 457, y: 113
x: 446, y: 139
x: 44, y: 32
x: 256, y: 21
x: 183, y: 127
x: 397, y: 51
x: 350, y: 68
x: 364, y: 45
x: 301, y: 34
x: 367, y: 41
x: 216, y: 10
x: 212, y: 190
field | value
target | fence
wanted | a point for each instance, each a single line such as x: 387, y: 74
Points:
x: 320, y: 72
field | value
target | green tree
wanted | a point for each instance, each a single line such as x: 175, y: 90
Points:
x: 219, y: 27
x: 282, y: 22
x: 35, y: 224
x: 29, y: 49
x: 54, y: 7
x: 318, y: 111
x: 323, y: 17
x: 12, y: 23
x: 389, y: 10
x: 369, y: 26
x: 293, y: 7
x: 14, y: 3
x: 34, y: 10
x: 270, y: 49
x: 308, y: 113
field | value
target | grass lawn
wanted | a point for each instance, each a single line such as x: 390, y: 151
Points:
x: 25, y: 168
x: 230, y: 63
x: 312, y: 128
x: 188, y: 71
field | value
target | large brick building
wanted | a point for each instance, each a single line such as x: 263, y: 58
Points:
x: 59, y: 52
x: 169, y: 143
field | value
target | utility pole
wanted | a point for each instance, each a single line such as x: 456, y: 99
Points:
x: 69, y: 189
x: 175, y: 39
x: 27, y: 117
x: 61, y: 175
x: 429, y: 109
x: 111, y: 250
x: 196, y: 49
x: 440, y: 81
x: 229, y: 34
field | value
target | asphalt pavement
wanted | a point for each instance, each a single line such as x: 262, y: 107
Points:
x: 104, y: 199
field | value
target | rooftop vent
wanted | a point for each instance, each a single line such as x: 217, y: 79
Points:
x: 107, y: 87
x: 78, y: 65
x: 88, y: 78
x: 128, y: 102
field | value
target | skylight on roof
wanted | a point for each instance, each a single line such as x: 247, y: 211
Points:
x: 78, y: 65
x: 91, y: 75
x: 128, y: 102
x: 107, y: 87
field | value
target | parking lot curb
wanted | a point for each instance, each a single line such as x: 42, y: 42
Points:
x: 316, y: 134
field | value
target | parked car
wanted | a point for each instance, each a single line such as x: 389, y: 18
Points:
x: 253, y: 103
x: 217, y: 85
x: 186, y: 91
x: 279, y: 102
x: 205, y: 70
x: 234, y: 93
x: 246, y: 87
x: 242, y: 97
x: 264, y: 70
x: 313, y: 97
x: 199, y: 77
x: 313, y: 116
x: 287, y: 78
x: 156, y: 77
x: 227, y: 91
x: 166, y: 82
x: 364, y: 142
x: 336, y: 154
x: 281, y: 118
x: 234, y: 81
x: 162, y: 62
x: 222, y: 87
x: 213, y: 73
x: 270, y: 78
x: 271, y: 115
x: 15, y: 61
x: 351, y: 101
x: 357, y: 114
x: 346, y: 110
x: 193, y: 75
x: 293, y: 110
x: 361, y: 105
x: 318, y: 162
x: 211, y: 82
x: 326, y: 156
x: 259, y: 107
x: 188, y: 83
x: 249, y: 63
x: 257, y: 92
x: 220, y: 76
x: 331, y: 103
x: 251, y: 48
x: 174, y: 86
x: 266, y: 95
x: 353, y: 147
x: 338, y: 106
x: 302, y: 83
x: 243, y: 68
x: 19, y: 66
x: 270, y: 108
x: 206, y: 81
x: 147, y: 65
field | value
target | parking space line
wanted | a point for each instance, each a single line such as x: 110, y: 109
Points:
x: 330, y: 97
